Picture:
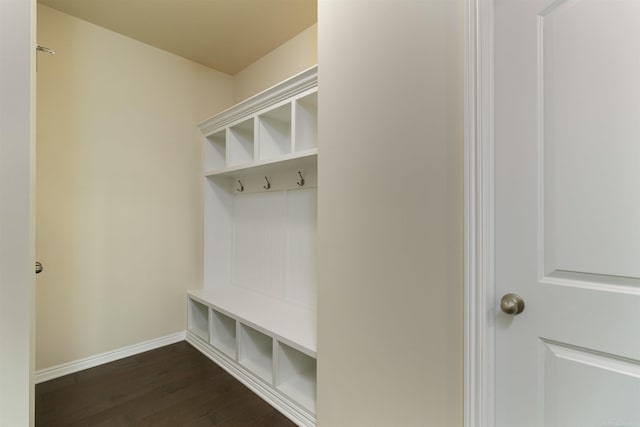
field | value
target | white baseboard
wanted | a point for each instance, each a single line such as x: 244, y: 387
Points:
x: 110, y: 356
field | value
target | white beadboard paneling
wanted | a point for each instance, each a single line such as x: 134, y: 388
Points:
x: 259, y: 245
x: 301, y: 246
x: 274, y: 244
x: 218, y: 233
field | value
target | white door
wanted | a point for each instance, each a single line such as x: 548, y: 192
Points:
x: 17, y: 98
x: 567, y: 212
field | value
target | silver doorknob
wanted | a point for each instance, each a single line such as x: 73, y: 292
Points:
x: 39, y: 267
x: 512, y: 304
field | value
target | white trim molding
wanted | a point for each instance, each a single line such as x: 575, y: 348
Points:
x: 479, y: 357
x: 110, y: 356
x: 303, y: 81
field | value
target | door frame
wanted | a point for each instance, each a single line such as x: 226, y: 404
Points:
x: 17, y: 214
x: 479, y: 288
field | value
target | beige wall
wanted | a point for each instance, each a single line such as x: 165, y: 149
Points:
x: 297, y: 54
x: 118, y: 187
x: 390, y: 305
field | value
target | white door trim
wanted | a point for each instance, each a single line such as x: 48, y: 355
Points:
x: 17, y: 215
x: 479, y: 332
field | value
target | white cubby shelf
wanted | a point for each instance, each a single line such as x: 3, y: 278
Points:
x: 275, y: 126
x: 268, y: 345
x: 287, y: 323
x: 297, y: 160
x: 255, y: 314
x: 198, y: 322
x: 296, y: 376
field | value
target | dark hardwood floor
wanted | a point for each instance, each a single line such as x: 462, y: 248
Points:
x: 172, y: 386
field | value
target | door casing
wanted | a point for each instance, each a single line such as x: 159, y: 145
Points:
x: 479, y: 289
x: 17, y: 219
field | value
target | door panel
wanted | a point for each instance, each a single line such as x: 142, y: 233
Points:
x: 567, y: 209
x: 590, y: 127
x: 584, y: 388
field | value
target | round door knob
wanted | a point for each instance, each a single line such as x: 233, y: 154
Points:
x: 39, y: 267
x: 512, y: 304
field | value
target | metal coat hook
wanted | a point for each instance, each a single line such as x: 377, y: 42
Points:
x: 241, y: 189
x: 44, y: 49
x: 268, y: 186
x: 301, y: 182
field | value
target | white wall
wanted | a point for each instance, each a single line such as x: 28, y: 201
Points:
x: 119, y: 205
x: 292, y: 57
x: 390, y: 213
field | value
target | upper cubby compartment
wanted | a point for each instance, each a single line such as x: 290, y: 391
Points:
x: 215, y: 151
x: 241, y: 143
x: 274, y: 132
x: 274, y: 129
x: 306, y: 119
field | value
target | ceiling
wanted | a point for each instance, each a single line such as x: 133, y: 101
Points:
x: 226, y: 35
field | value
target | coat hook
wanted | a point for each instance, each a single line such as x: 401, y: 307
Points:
x: 44, y: 49
x: 268, y: 186
x: 241, y: 189
x: 301, y: 182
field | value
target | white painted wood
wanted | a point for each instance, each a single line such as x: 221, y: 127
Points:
x: 588, y: 388
x: 301, y: 82
x: 241, y: 143
x: 255, y: 352
x: 17, y: 154
x: 223, y: 333
x: 296, y: 376
x: 566, y: 155
x: 218, y: 194
x: 275, y: 398
x: 479, y: 357
x: 306, y: 122
x: 259, y: 248
x: 281, y: 178
x: 290, y: 324
x: 215, y: 151
x: 198, y: 319
x: 261, y: 130
x: 301, y: 258
x: 591, y: 99
x: 109, y: 356
x: 294, y: 161
x: 260, y: 243
x: 274, y: 132
x: 274, y: 244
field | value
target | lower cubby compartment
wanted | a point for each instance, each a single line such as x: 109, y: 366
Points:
x: 267, y: 345
x: 198, y: 319
x: 296, y: 376
x: 256, y: 352
x: 223, y: 333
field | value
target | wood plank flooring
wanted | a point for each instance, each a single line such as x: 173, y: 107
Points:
x: 172, y: 386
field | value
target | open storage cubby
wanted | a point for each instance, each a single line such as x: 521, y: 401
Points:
x: 296, y: 376
x: 215, y: 151
x: 260, y: 234
x: 241, y: 143
x: 274, y: 132
x: 223, y: 333
x: 306, y: 119
x: 256, y: 352
x: 198, y: 320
